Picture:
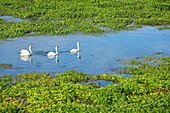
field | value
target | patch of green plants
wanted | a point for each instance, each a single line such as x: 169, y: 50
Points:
x: 6, y: 66
x: 165, y: 27
x: 148, y: 90
x: 72, y: 16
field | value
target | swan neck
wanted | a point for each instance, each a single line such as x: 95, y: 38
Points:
x: 30, y: 50
x: 56, y: 49
x: 78, y: 48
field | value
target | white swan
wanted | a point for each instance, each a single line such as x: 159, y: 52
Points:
x: 52, y: 54
x: 75, y: 50
x: 26, y: 52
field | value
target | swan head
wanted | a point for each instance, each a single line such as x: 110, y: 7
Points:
x: 78, y: 43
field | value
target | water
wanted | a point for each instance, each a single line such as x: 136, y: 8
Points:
x: 99, y: 53
x: 100, y: 82
x: 12, y: 19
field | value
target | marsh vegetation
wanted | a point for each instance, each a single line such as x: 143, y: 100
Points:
x: 146, y: 91
x: 6, y: 66
x: 88, y: 17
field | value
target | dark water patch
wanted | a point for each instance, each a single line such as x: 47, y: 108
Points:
x: 100, y: 82
x: 41, y: 53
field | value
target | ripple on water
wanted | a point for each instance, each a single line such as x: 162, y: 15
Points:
x: 98, y: 53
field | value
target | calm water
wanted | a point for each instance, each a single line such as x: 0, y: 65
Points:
x: 100, y: 82
x: 12, y: 19
x: 99, y: 53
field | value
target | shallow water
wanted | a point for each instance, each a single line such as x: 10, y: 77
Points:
x: 100, y: 82
x: 99, y: 53
x: 12, y: 19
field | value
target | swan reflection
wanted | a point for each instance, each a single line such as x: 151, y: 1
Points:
x: 78, y: 55
x: 51, y: 56
x: 26, y: 58
x: 56, y: 58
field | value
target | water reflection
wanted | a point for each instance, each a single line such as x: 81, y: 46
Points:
x: 78, y: 55
x: 56, y: 58
x: 26, y: 58
x: 51, y: 56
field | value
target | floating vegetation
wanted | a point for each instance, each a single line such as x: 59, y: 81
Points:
x: 139, y: 62
x: 147, y: 91
x: 134, y: 27
x: 157, y: 53
x: 6, y: 66
x: 89, y: 17
x: 165, y: 27
x: 9, y: 66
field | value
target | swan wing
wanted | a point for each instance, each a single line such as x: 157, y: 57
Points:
x: 73, y: 50
x: 51, y: 54
x: 24, y: 52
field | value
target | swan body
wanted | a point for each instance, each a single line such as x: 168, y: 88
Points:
x: 52, y: 54
x: 26, y: 52
x: 76, y: 50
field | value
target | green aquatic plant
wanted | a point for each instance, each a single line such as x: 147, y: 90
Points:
x: 6, y: 66
x: 69, y: 17
x: 148, y: 90
x: 165, y: 27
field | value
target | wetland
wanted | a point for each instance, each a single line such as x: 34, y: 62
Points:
x: 123, y: 64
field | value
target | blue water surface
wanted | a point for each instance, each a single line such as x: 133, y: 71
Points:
x: 99, y: 53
